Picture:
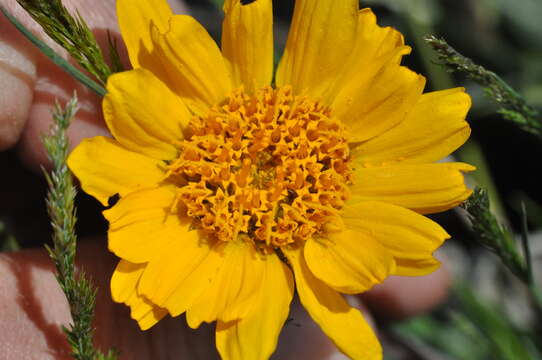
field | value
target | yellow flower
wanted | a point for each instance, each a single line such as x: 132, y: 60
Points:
x: 231, y: 186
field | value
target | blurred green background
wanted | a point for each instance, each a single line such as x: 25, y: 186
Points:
x: 489, y: 314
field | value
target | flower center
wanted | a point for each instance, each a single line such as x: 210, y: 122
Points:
x: 270, y: 168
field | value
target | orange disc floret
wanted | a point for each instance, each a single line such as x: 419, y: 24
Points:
x: 271, y: 167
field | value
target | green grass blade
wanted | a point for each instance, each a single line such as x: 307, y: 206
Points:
x: 51, y: 54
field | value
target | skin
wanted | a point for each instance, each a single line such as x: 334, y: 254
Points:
x: 32, y: 306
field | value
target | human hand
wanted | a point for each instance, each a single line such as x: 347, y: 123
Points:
x: 34, y: 308
x: 30, y: 83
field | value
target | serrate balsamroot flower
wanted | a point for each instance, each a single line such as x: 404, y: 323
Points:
x: 235, y: 189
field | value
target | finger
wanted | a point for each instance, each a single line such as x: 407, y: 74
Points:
x: 399, y: 297
x: 52, y: 84
x: 34, y: 309
x: 17, y: 77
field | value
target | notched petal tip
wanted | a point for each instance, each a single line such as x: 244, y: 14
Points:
x: 105, y: 168
x: 191, y: 64
x: 418, y: 267
x: 135, y: 18
x: 351, y: 262
x: 344, y: 324
x: 424, y: 188
x: 435, y: 127
x: 151, y: 318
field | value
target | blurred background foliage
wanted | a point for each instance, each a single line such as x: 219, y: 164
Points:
x: 490, y: 313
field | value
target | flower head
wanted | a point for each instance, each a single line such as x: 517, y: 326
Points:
x: 234, y: 190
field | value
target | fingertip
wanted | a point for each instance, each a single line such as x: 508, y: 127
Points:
x: 400, y: 297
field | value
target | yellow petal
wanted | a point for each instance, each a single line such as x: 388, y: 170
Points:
x: 344, y: 325
x: 124, y: 280
x: 105, y: 168
x: 371, y: 106
x: 135, y: 19
x: 233, y: 289
x: 255, y: 336
x: 410, y: 237
x: 143, y: 223
x: 374, y: 93
x: 144, y: 312
x: 374, y: 48
x: 435, y: 127
x: 124, y: 289
x: 247, y: 42
x: 425, y: 188
x: 321, y: 37
x: 180, y: 272
x: 409, y: 267
x: 193, y: 64
x: 144, y: 115
x: 349, y: 261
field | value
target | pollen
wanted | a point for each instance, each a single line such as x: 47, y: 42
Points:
x: 270, y: 168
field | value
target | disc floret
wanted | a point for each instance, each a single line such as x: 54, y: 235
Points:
x: 269, y: 167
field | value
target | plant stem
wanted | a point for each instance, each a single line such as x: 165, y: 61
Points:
x: 77, y: 287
